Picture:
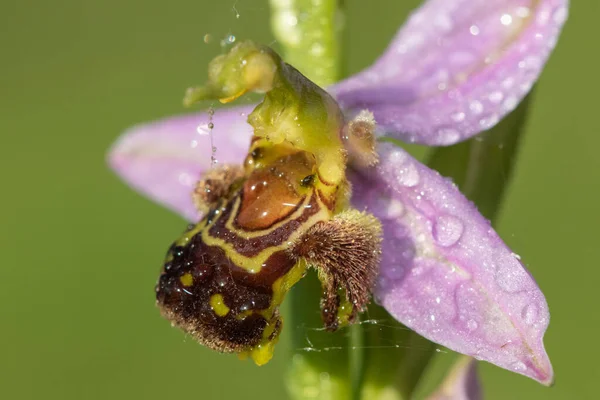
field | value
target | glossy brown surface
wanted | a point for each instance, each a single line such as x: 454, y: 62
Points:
x: 266, y: 201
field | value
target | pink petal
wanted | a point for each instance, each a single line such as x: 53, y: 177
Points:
x: 446, y: 274
x: 165, y: 159
x: 462, y: 383
x: 456, y: 68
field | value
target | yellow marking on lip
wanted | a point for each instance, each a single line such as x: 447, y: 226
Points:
x: 254, y: 264
x: 252, y: 234
x: 263, y: 352
x: 187, y: 236
x: 186, y: 279
x: 218, y: 305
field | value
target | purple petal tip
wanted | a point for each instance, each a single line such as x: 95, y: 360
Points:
x: 165, y: 159
x: 456, y: 68
x: 445, y: 272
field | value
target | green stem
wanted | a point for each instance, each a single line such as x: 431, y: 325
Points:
x: 482, y: 168
x: 395, y: 358
x: 321, y: 366
x: 309, y: 33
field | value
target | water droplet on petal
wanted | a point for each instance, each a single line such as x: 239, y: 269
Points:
x: 203, y: 129
x: 560, y: 15
x: 488, y: 122
x: 458, y: 116
x: 529, y: 314
x: 506, y: 19
x: 496, y: 97
x: 448, y: 135
x: 523, y: 12
x: 518, y: 366
x: 508, y: 82
x: 511, y: 277
x: 510, y: 103
x: 394, y: 210
x: 472, y: 325
x: 408, y: 254
x: 408, y: 175
x: 447, y: 230
x: 476, y: 107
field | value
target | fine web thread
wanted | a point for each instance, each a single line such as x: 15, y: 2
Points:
x: 374, y: 323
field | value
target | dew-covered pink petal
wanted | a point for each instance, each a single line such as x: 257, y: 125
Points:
x: 446, y: 274
x: 461, y: 383
x: 456, y: 68
x: 164, y: 159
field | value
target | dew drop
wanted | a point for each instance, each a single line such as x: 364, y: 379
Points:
x: 508, y: 83
x: 229, y: 39
x: 510, y: 103
x: 408, y: 254
x: 458, y: 116
x: 518, y: 366
x: 506, y: 19
x: 394, y: 210
x: 529, y: 314
x: 511, y: 278
x: 447, y: 230
x: 488, y: 122
x: 476, y: 107
x: 207, y: 38
x: 560, y: 15
x: 443, y: 22
x: 474, y: 29
x: 317, y: 49
x: 448, y: 135
x: 324, y: 377
x: 203, y: 129
x: 408, y: 175
x: 496, y: 97
x: 523, y: 12
x: 472, y: 325
x: 525, y: 87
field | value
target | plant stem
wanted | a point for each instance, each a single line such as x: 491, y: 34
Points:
x: 309, y: 33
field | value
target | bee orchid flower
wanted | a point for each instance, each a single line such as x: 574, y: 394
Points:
x: 456, y: 68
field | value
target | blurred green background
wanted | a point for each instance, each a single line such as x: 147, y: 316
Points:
x: 81, y: 251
